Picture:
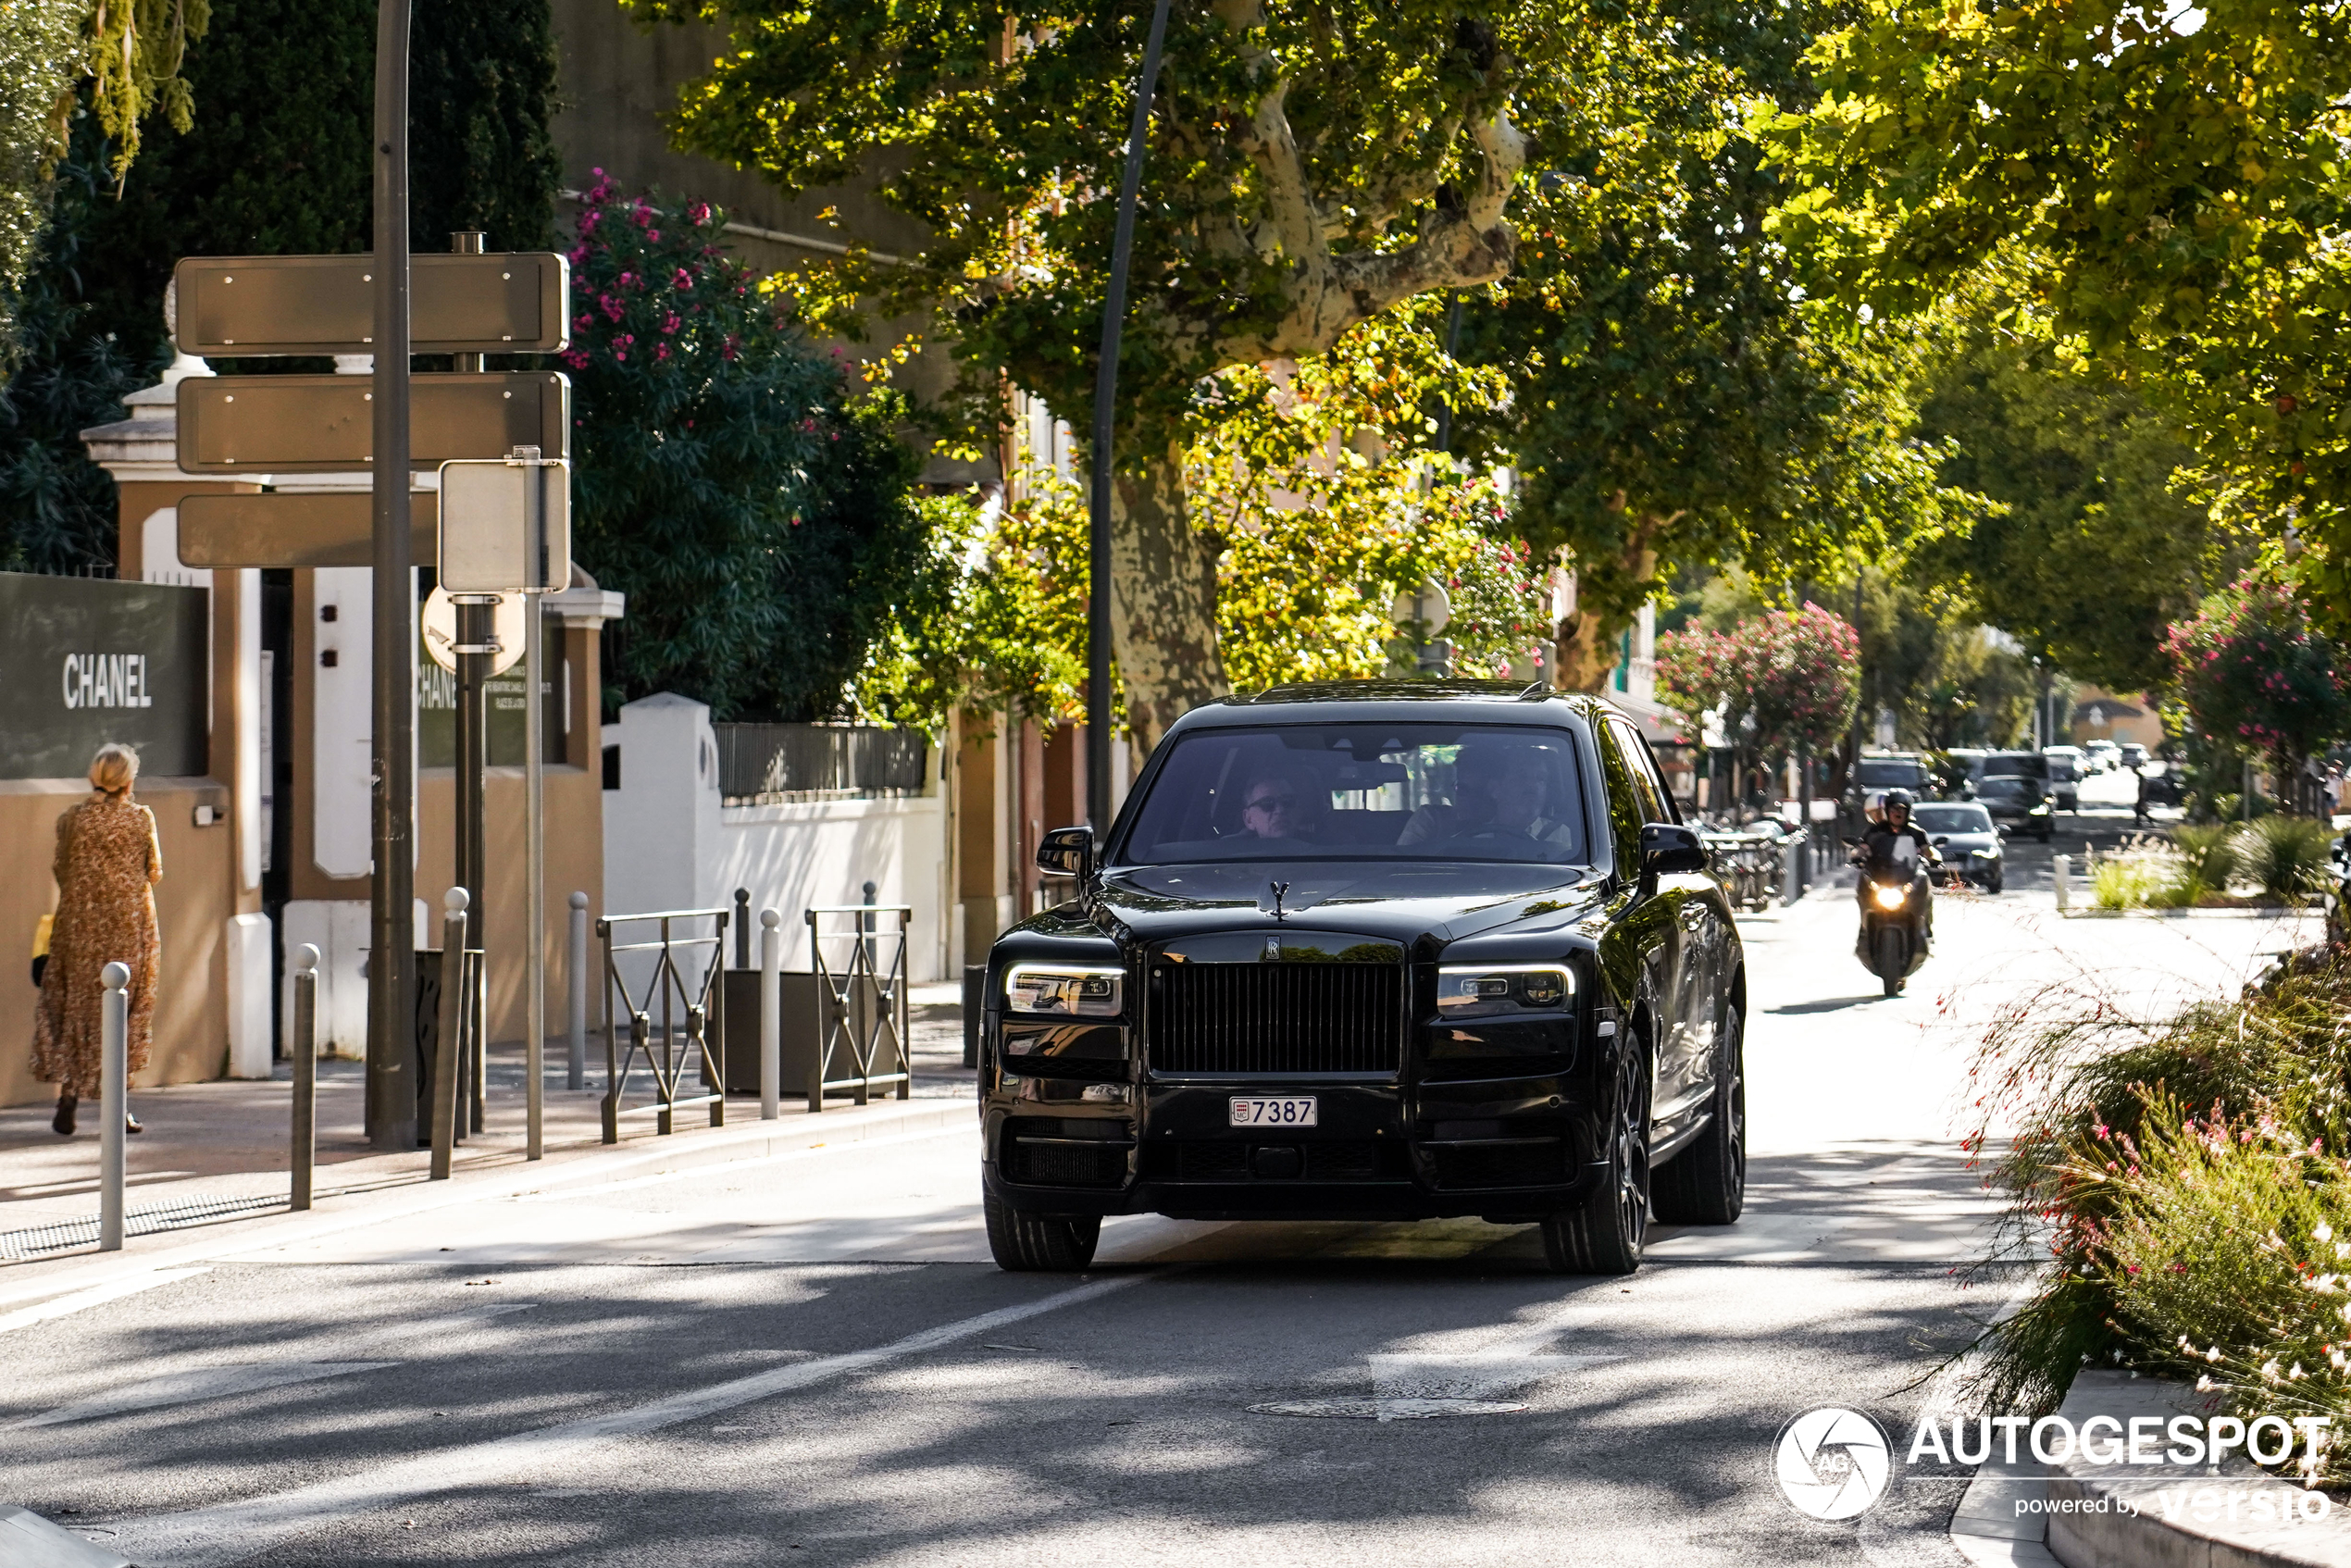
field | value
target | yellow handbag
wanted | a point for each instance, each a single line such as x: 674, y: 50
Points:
x: 40, y: 936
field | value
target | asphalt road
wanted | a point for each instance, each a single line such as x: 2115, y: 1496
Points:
x: 808, y: 1359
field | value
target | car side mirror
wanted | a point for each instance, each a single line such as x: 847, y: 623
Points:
x: 1068, y: 852
x: 1668, y: 848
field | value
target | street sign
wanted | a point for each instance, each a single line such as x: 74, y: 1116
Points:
x: 509, y: 525
x: 325, y: 424
x: 237, y: 307
x: 439, y: 618
x: 330, y: 528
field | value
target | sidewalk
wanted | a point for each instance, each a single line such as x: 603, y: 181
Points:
x: 215, y: 1151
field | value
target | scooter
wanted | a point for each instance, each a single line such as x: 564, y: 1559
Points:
x: 1892, y: 943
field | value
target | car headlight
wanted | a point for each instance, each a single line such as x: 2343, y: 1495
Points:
x: 1888, y: 896
x: 2041, y: 810
x: 1065, y: 991
x: 1482, y: 991
x: 1984, y: 855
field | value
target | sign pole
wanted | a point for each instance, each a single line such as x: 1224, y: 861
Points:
x: 391, y: 994
x: 477, y: 646
x: 534, y: 832
x: 1097, y: 590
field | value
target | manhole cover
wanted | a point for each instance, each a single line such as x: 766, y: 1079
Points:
x: 1387, y: 1410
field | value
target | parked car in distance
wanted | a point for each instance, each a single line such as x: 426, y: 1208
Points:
x: 1891, y: 770
x: 2066, y: 767
x: 2018, y: 803
x: 1380, y: 951
x: 1968, y: 838
x: 2133, y: 755
x: 2104, y: 755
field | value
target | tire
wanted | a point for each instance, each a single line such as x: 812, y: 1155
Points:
x: 1041, y: 1243
x: 1605, y: 1234
x: 1890, y: 959
x: 1996, y: 884
x: 1706, y: 1184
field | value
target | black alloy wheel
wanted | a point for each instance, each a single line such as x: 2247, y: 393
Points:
x: 1605, y: 1233
x: 1039, y: 1243
x: 1706, y: 1184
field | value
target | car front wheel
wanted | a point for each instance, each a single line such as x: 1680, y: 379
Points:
x: 1605, y: 1233
x: 1706, y: 1183
x: 1039, y: 1243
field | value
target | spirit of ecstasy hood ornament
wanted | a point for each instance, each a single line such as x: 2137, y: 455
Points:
x: 1279, y: 888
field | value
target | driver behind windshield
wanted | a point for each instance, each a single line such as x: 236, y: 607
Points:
x: 1272, y: 807
x: 1500, y: 792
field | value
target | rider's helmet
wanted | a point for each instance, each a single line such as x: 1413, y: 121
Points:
x: 1897, y: 797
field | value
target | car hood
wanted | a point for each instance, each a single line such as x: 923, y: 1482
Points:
x: 1403, y: 902
x: 1950, y: 841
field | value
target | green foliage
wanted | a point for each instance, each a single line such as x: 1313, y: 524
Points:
x: 123, y: 58
x: 2162, y: 190
x: 761, y: 527
x: 277, y: 162
x: 2252, y: 673
x: 2093, y: 551
x: 56, y: 507
x: 2208, y: 851
x: 37, y: 71
x: 2285, y: 856
x: 1679, y: 405
x: 1784, y: 679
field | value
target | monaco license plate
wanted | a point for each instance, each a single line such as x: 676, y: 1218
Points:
x: 1273, y: 1111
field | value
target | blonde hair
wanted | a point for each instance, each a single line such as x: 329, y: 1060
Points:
x: 114, y: 769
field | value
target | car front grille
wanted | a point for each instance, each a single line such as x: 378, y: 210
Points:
x: 1224, y: 1160
x: 1298, y: 1018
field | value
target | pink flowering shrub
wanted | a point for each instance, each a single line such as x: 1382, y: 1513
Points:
x: 2254, y: 677
x: 760, y: 522
x: 1784, y: 680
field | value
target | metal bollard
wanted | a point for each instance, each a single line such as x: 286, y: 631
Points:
x: 742, y: 927
x: 305, y: 1074
x: 771, y: 1012
x: 2063, y: 866
x: 576, y: 1057
x: 114, y: 1100
x: 453, y: 1020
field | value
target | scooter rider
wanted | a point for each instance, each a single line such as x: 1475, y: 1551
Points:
x: 1897, y: 843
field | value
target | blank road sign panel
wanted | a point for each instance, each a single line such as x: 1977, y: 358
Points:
x: 506, y: 302
x: 326, y: 424
x: 295, y: 528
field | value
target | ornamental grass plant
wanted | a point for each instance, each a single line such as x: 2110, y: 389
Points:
x: 2285, y: 856
x: 2185, y: 1182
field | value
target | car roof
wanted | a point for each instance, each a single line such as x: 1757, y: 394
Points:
x: 1400, y: 702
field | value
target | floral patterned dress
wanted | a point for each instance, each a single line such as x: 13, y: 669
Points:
x: 107, y: 865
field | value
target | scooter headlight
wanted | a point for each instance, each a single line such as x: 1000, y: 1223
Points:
x: 1888, y: 896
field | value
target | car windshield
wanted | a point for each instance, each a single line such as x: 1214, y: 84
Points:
x: 2005, y: 786
x: 1352, y: 791
x: 1953, y: 819
x: 1887, y: 773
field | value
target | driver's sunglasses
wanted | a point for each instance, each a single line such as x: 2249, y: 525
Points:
x: 1272, y: 802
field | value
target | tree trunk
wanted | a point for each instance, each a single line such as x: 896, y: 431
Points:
x: 1589, y: 643
x: 1589, y: 646
x: 1163, y: 600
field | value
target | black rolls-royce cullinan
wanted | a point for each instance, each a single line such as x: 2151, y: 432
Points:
x: 1374, y: 951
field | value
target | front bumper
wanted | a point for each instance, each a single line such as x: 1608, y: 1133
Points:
x: 1518, y: 1148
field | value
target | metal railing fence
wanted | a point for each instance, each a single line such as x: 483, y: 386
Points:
x: 766, y: 764
x: 861, y: 1005
x: 690, y: 1033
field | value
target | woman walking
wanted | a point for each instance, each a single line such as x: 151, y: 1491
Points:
x: 106, y: 868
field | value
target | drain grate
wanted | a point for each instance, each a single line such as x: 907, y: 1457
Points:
x: 1387, y: 1410
x: 64, y: 1235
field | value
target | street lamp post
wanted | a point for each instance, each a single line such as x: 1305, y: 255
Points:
x: 1097, y: 633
